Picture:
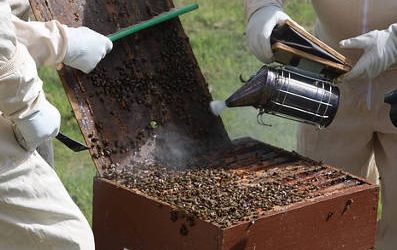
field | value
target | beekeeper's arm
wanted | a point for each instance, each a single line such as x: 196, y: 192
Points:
x: 51, y: 43
x: 22, y: 100
x: 379, y: 52
x: 20, y: 8
x: 262, y: 16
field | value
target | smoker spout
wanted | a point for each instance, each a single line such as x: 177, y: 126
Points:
x: 253, y: 92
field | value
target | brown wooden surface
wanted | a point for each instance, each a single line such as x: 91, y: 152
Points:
x: 342, y: 217
x: 321, y: 44
x: 345, y: 220
x: 147, y: 100
x: 128, y: 220
x: 282, y: 51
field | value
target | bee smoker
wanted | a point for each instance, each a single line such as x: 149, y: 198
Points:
x: 289, y: 92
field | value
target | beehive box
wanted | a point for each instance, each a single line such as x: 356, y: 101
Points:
x: 287, y: 202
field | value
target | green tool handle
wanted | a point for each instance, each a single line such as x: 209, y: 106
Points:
x: 151, y: 22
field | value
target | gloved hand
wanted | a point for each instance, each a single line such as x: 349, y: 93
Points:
x: 85, y: 48
x: 259, y: 29
x: 380, y: 52
x: 35, y: 129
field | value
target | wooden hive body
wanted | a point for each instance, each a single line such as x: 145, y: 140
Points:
x: 338, y: 213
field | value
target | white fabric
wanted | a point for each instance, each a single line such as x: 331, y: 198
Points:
x: 51, y: 43
x: 23, y: 103
x: 354, y: 17
x: 259, y: 29
x: 253, y: 5
x: 39, y: 127
x: 380, y: 52
x: 20, y: 85
x: 7, y: 34
x: 46, y: 151
x: 35, y: 210
x: 354, y: 136
x: 20, y: 8
x: 21, y: 94
x: 86, y: 48
x: 46, y: 41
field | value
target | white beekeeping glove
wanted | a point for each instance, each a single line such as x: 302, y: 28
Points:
x: 259, y: 29
x: 42, y: 125
x: 86, y: 48
x: 380, y: 52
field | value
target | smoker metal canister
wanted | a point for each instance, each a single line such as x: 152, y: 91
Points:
x: 289, y: 93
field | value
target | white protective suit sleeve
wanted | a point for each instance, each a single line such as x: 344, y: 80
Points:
x: 262, y: 17
x: 51, y: 43
x: 46, y: 41
x: 22, y: 100
x: 7, y: 35
x: 253, y: 5
x: 20, y: 8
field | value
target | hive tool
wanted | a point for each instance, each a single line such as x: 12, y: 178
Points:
x: 165, y: 16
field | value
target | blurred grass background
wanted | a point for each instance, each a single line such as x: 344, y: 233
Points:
x: 216, y: 34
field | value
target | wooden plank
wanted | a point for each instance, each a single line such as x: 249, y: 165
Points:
x: 284, y: 53
x: 147, y: 100
x: 130, y: 220
x: 341, y: 220
x: 295, y: 26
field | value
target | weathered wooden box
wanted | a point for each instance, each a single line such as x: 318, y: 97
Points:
x: 341, y: 214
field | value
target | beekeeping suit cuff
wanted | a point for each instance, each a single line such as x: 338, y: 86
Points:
x: 40, y: 126
x: 259, y: 30
x: 251, y: 6
x: 20, y: 8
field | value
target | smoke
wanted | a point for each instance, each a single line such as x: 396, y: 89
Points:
x: 145, y: 154
x: 217, y: 107
x: 169, y: 147
x: 175, y: 149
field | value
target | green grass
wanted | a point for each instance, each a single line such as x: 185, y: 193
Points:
x: 216, y: 33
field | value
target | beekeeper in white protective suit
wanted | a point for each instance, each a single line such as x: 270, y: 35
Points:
x: 364, y: 31
x: 36, y: 211
x: 21, y: 9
